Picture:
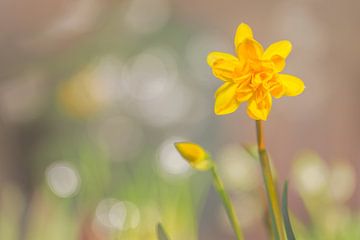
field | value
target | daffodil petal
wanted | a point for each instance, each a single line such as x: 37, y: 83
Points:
x: 292, y: 85
x: 243, y: 96
x: 279, y: 63
x: 259, y: 110
x: 278, y: 90
x: 223, y: 65
x: 226, y: 101
x: 281, y: 48
x: 277, y: 53
x: 244, y: 92
x: 249, y: 49
x: 243, y: 32
x: 217, y: 57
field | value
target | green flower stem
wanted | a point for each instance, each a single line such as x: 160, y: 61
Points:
x: 271, y: 192
x: 219, y: 186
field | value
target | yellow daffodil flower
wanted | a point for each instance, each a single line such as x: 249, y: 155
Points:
x: 253, y: 75
x: 195, y: 155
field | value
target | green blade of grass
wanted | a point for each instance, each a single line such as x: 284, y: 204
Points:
x: 285, y: 212
x: 161, y: 233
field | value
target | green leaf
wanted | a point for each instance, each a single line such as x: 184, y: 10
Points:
x: 162, y: 235
x: 271, y: 217
x: 285, y: 212
x: 252, y: 150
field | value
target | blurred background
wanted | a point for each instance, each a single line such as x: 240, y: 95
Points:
x: 93, y: 94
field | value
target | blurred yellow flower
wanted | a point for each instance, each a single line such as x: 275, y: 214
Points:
x: 77, y: 95
x: 195, y: 155
x: 253, y: 76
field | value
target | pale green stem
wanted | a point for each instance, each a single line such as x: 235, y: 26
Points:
x: 269, y: 182
x: 219, y: 186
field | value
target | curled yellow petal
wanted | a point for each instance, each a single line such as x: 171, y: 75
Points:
x: 195, y: 155
x: 277, y: 53
x: 243, y: 32
x: 244, y: 91
x: 292, y: 85
x: 226, y: 101
x: 281, y: 48
x: 215, y: 58
x: 259, y: 109
x: 223, y: 65
x: 250, y: 49
x: 278, y: 90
